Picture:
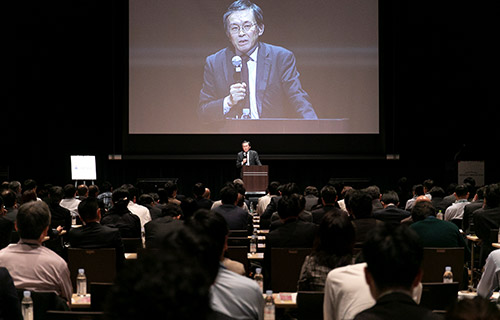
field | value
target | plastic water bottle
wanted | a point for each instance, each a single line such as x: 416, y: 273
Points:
x: 259, y: 278
x: 253, y: 244
x: 246, y: 113
x: 81, y: 283
x: 27, y: 306
x: 73, y: 219
x: 269, y: 308
x: 448, y: 275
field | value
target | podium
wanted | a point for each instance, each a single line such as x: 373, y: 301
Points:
x: 255, y: 178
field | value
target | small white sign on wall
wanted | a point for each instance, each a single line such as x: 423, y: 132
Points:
x: 473, y: 169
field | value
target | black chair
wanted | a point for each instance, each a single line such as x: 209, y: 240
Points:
x: 131, y: 245
x: 43, y: 301
x: 310, y: 305
x: 99, y: 264
x: 98, y: 295
x: 439, y: 295
x: 286, y: 264
x: 75, y: 315
x: 436, y: 259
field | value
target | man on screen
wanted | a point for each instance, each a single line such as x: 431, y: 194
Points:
x: 273, y: 88
x: 247, y: 157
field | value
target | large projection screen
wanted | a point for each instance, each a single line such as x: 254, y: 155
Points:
x: 334, y: 42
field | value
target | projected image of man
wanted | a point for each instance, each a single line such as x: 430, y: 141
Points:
x: 251, y: 77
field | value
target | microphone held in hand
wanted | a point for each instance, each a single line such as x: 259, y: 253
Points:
x: 236, y: 63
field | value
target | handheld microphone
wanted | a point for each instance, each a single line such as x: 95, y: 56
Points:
x: 236, y: 60
x: 244, y: 154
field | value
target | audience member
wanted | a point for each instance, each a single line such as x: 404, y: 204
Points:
x: 93, y: 191
x: 188, y: 207
x: 456, y: 210
x: 311, y: 194
x: 432, y: 231
x: 437, y: 195
x: 490, y: 278
x: 171, y: 190
x: 360, y: 208
x: 10, y: 203
x: 329, y: 203
x: 148, y: 201
x: 16, y: 187
x: 236, y: 217
x: 119, y: 216
x: 488, y: 218
x: 391, y: 213
x: 450, y: 198
x: 469, y: 210
x: 341, y: 202
x: 28, y: 196
x: 10, y: 306
x: 105, y: 195
x: 31, y: 265
x: 333, y: 248
x: 428, y: 184
x: 70, y: 201
x: 31, y: 185
x: 417, y: 190
x: 157, y: 229
x: 374, y: 192
x: 272, y: 192
x: 477, y: 308
x: 141, y: 211
x: 198, y: 192
x: 6, y: 226
x: 59, y: 216
x: 393, y: 257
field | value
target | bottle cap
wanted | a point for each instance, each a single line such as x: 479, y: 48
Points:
x: 258, y: 270
x: 27, y: 293
x: 80, y: 271
x: 269, y: 292
x: 448, y: 268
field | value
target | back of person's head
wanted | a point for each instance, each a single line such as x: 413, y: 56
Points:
x: 373, y: 191
x: 170, y: 188
x: 198, y: 190
x: 470, y: 181
x: 228, y: 194
x: 56, y: 194
x: 290, y: 188
x: 171, y: 210
x: 477, y: 308
x: 428, y: 184
x: 87, y: 209
x: 93, y: 191
x: 273, y: 187
x: 29, y: 184
x: 336, y: 237
x: 145, y: 199
x: 120, y: 198
x: 311, y: 191
x: 106, y: 186
x: 437, y: 192
x: 32, y: 219
x: 188, y: 206
x: 492, y: 195
x: 418, y: 190
x: 360, y: 204
x: 2, y: 205
x: 422, y: 210
x: 174, y: 284
x: 15, y: 186
x: 329, y: 194
x: 82, y: 190
x: 290, y: 206
x: 69, y: 191
x: 28, y: 196
x: 132, y: 190
x: 393, y: 256
x: 480, y: 192
x: 390, y: 197
x: 9, y: 198
x: 461, y: 190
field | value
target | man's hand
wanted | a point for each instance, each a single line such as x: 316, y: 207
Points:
x: 237, y: 92
x: 244, y: 161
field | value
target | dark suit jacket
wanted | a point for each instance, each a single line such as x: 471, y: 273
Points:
x: 294, y: 233
x: 486, y: 219
x: 279, y: 91
x: 10, y: 306
x: 236, y: 218
x: 94, y: 235
x: 391, y: 214
x: 317, y: 214
x: 253, y: 157
x: 59, y: 216
x: 156, y: 230
x: 128, y: 223
x: 468, y: 222
x: 6, y: 227
x: 362, y: 226
x: 397, y: 306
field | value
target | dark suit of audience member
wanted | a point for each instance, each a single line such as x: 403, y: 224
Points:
x: 93, y: 235
x: 156, y: 230
x: 199, y: 190
x: 393, y: 257
x: 59, y: 216
x: 374, y: 192
x: 391, y: 213
x: 276, y: 221
x: 120, y: 217
x: 438, y: 201
x: 236, y: 217
x: 311, y: 194
x: 6, y: 227
x: 359, y: 207
x: 147, y: 201
x: 488, y: 218
x: 10, y: 306
x: 10, y: 203
x: 329, y: 203
x: 476, y: 203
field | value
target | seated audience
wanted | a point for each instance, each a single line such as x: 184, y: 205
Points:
x: 391, y: 213
x: 169, y: 220
x: 148, y: 201
x: 417, y: 190
x: 477, y: 308
x: 10, y: 306
x: 393, y: 256
x: 329, y: 203
x: 120, y: 217
x: 70, y: 201
x: 10, y: 203
x: 171, y: 190
x: 141, y: 211
x: 82, y: 192
x: 332, y: 249
x: 59, y: 216
x: 311, y: 194
x: 32, y: 266
x: 490, y: 277
x: 272, y: 192
x: 201, y: 201
x: 432, y: 231
x: 6, y: 226
x: 374, y: 192
x: 437, y: 194
x: 456, y: 210
x: 93, y: 235
x: 359, y: 206
x: 105, y: 196
x: 236, y: 217
x: 469, y: 210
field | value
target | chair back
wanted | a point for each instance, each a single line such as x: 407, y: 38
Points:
x: 131, y: 245
x: 286, y: 264
x: 310, y: 305
x: 75, y: 315
x: 238, y: 253
x: 238, y: 241
x: 238, y: 233
x: 436, y: 259
x: 99, y: 264
x: 439, y: 295
x: 98, y: 294
x: 44, y: 301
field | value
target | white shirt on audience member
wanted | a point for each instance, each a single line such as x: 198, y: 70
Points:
x: 141, y: 211
x: 490, y: 279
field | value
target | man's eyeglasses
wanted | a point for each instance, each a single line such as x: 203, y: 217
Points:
x: 235, y: 29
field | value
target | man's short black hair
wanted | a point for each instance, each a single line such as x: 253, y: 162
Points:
x: 273, y: 188
x: 492, y: 195
x: 69, y: 191
x: 461, y: 190
x: 171, y: 210
x: 87, y: 209
x: 170, y: 188
x: 437, y: 192
x: 360, y: 203
x: 390, y: 197
x: 240, y: 5
x: 198, y: 189
x: 422, y: 210
x: 290, y: 206
x: 393, y: 256
x: 32, y: 219
x: 329, y: 194
x: 9, y: 198
x: 373, y: 191
x: 228, y: 195
x: 29, y: 184
x: 56, y: 194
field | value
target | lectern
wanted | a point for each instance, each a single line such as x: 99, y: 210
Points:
x: 255, y: 178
